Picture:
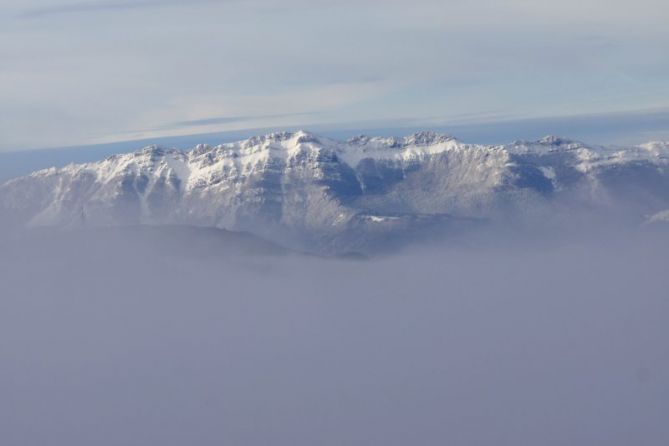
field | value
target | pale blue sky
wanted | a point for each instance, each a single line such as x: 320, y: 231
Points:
x: 92, y: 71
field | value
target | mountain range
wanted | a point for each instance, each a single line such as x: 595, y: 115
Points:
x: 327, y: 196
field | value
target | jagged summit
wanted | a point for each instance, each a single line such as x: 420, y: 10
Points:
x: 152, y: 151
x: 287, y: 144
x: 549, y: 142
x: 298, y: 136
x: 556, y: 140
x: 417, y: 139
x: 427, y: 138
x: 657, y: 148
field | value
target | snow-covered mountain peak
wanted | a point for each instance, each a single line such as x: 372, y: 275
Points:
x: 427, y: 138
x: 547, y: 144
x: 554, y: 140
x: 283, y: 139
x: 298, y: 184
x: 408, y: 149
x: 658, y: 149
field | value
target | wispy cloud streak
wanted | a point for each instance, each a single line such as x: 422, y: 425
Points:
x: 227, y: 120
x: 100, y: 6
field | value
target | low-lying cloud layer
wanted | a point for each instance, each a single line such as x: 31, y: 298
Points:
x: 172, y: 337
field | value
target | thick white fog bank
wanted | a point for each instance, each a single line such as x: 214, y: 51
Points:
x: 173, y: 338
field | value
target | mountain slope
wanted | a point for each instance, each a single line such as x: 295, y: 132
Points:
x: 320, y: 194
